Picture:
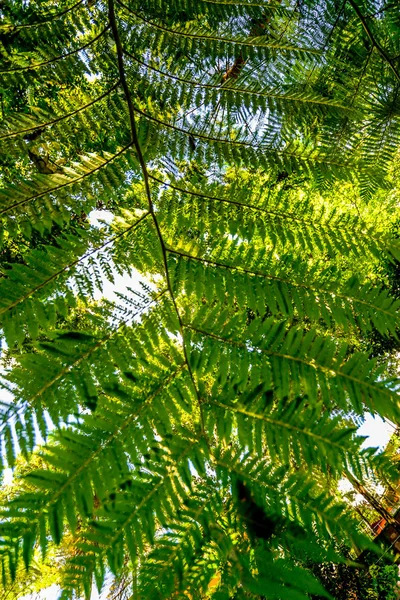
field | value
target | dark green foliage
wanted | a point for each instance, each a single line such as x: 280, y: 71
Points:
x: 236, y: 145
x: 375, y: 579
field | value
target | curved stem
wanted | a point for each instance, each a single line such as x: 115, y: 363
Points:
x: 136, y: 145
x: 373, y: 40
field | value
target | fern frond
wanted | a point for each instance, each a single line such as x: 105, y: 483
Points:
x: 235, y: 145
x: 24, y: 124
x: 22, y: 307
x: 298, y: 362
x: 18, y: 199
x: 345, y: 304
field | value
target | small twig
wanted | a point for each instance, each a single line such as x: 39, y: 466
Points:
x: 136, y: 144
x: 372, y: 39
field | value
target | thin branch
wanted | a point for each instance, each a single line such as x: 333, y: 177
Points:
x: 136, y: 144
x: 373, y: 40
x: 372, y: 501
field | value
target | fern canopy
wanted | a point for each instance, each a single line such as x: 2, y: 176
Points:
x: 190, y: 432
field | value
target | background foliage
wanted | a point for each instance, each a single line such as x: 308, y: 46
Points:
x: 188, y: 438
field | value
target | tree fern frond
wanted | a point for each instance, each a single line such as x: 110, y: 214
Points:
x: 310, y: 364
x: 23, y: 304
x: 309, y: 228
x: 253, y: 90
x: 282, y: 429
x: 69, y: 372
x: 374, y: 42
x: 233, y: 146
x: 288, y: 156
x: 45, y: 19
x: 82, y: 467
x: 28, y: 123
x: 131, y: 524
x: 179, y: 548
x: 54, y: 59
x: 89, y: 166
x: 291, y: 495
x: 201, y: 33
x: 344, y: 304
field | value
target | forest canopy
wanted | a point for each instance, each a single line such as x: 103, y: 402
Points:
x: 230, y: 171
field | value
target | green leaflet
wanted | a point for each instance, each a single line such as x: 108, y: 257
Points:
x: 227, y: 310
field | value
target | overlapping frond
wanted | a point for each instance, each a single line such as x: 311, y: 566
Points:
x: 235, y: 145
